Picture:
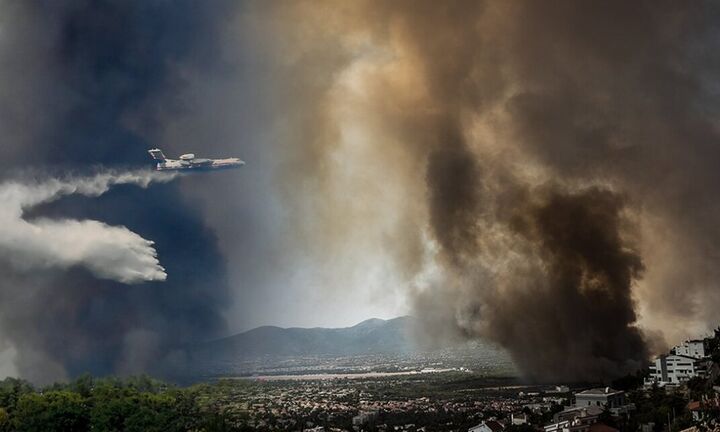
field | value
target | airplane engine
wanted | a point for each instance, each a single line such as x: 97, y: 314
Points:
x: 187, y: 157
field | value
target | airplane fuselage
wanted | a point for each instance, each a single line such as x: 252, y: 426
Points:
x: 188, y: 162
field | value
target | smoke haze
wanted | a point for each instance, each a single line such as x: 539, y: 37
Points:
x: 523, y: 166
x: 541, y: 175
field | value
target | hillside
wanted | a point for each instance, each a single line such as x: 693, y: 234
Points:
x: 373, y: 336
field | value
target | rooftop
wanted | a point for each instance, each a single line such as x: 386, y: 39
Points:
x: 493, y: 425
x: 602, y: 427
x: 581, y: 411
x: 599, y: 391
x: 683, y: 356
x: 694, y: 406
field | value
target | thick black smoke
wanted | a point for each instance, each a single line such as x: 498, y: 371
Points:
x: 540, y: 174
x: 558, y: 160
x: 73, y: 75
x: 454, y: 189
x: 579, y: 306
x: 547, y: 273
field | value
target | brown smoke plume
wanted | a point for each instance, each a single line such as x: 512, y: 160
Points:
x: 578, y: 305
x: 541, y: 174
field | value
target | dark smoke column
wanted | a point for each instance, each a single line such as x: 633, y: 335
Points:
x: 563, y: 306
x: 575, y: 317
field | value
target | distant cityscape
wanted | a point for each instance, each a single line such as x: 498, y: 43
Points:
x: 678, y: 392
x: 372, y: 346
x: 464, y: 388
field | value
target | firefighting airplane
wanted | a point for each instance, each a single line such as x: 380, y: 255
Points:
x: 188, y: 162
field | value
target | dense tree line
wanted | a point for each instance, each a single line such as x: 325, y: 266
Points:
x: 107, y: 404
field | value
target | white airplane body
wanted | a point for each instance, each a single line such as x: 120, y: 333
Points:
x: 188, y: 162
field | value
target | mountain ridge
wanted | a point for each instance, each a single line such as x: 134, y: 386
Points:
x: 371, y: 336
x: 360, y: 324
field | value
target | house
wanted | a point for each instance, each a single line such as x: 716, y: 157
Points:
x: 577, y: 419
x: 519, y: 418
x: 487, y: 426
x: 562, y: 426
x: 696, y: 408
x: 604, y: 397
x: 699, y: 409
x: 579, y: 426
x: 559, y: 389
x: 587, y: 413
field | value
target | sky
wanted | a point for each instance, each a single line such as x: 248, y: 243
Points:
x: 539, y: 175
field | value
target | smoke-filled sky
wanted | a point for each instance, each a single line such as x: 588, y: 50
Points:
x: 542, y: 175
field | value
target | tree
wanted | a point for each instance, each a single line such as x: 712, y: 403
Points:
x: 520, y: 428
x: 696, y: 387
x: 110, y: 406
x: 83, y: 385
x: 10, y: 391
x: 631, y: 381
x: 607, y: 418
x: 153, y: 413
x: 5, y: 424
x: 54, y: 411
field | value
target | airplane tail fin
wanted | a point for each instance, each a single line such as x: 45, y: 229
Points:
x: 157, y: 154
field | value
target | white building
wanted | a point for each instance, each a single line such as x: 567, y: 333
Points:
x: 675, y: 369
x: 563, y: 426
x: 519, y: 418
x: 604, y: 397
x: 696, y: 348
x: 487, y: 426
x: 578, y: 419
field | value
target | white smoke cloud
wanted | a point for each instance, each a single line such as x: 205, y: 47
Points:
x: 109, y: 252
